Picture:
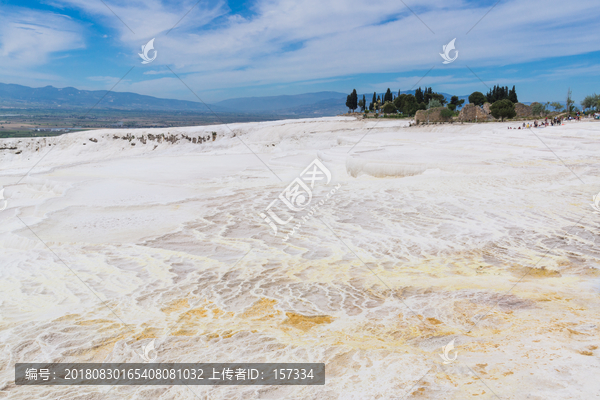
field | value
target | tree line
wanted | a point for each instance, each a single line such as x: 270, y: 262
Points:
x: 592, y: 101
x: 405, y: 103
x: 502, y: 101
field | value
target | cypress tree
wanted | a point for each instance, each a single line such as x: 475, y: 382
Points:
x: 354, y: 100
x: 512, y: 95
x: 388, y: 96
x: 419, y: 95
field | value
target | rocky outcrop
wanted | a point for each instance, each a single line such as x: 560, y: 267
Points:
x: 473, y: 113
x: 522, y: 110
x: 431, y: 115
x: 39, y: 143
x: 486, y: 108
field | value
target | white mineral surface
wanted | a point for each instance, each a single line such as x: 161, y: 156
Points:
x: 474, y: 233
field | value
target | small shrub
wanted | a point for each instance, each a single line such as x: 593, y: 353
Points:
x: 389, y: 108
x: 446, y: 113
x: 433, y: 103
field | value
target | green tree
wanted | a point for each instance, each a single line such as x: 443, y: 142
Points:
x: 388, y: 96
x: 538, y: 109
x: 455, y: 102
x: 503, y: 109
x: 349, y: 102
x: 361, y: 104
x: 556, y: 105
x: 439, y: 97
x: 433, y: 103
x: 446, y: 113
x: 419, y: 95
x: 399, y: 101
x: 389, y: 108
x: 570, y: 102
x: 427, y: 95
x: 512, y: 95
x: 406, y: 104
x: 591, y: 101
x: 353, y: 100
x: 497, y: 93
x: 477, y: 98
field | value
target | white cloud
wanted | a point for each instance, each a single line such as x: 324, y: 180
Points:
x: 339, y: 38
x: 28, y: 38
x: 142, y: 20
x: 573, y: 70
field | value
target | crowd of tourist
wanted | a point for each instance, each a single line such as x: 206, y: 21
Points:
x: 542, y: 124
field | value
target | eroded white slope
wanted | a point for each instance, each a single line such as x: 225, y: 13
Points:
x: 167, y: 234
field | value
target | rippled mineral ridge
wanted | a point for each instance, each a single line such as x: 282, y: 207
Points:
x: 475, y: 233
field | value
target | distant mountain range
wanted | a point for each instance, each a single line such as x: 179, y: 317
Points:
x: 307, y: 104
x: 69, y: 97
x: 321, y: 103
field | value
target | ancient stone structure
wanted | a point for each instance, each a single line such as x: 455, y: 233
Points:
x: 522, y: 110
x: 473, y: 113
x: 431, y: 115
x: 486, y: 108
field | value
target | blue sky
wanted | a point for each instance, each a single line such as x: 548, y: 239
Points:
x: 230, y: 49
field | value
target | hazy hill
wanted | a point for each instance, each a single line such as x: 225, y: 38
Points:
x: 307, y: 104
x: 49, y: 96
